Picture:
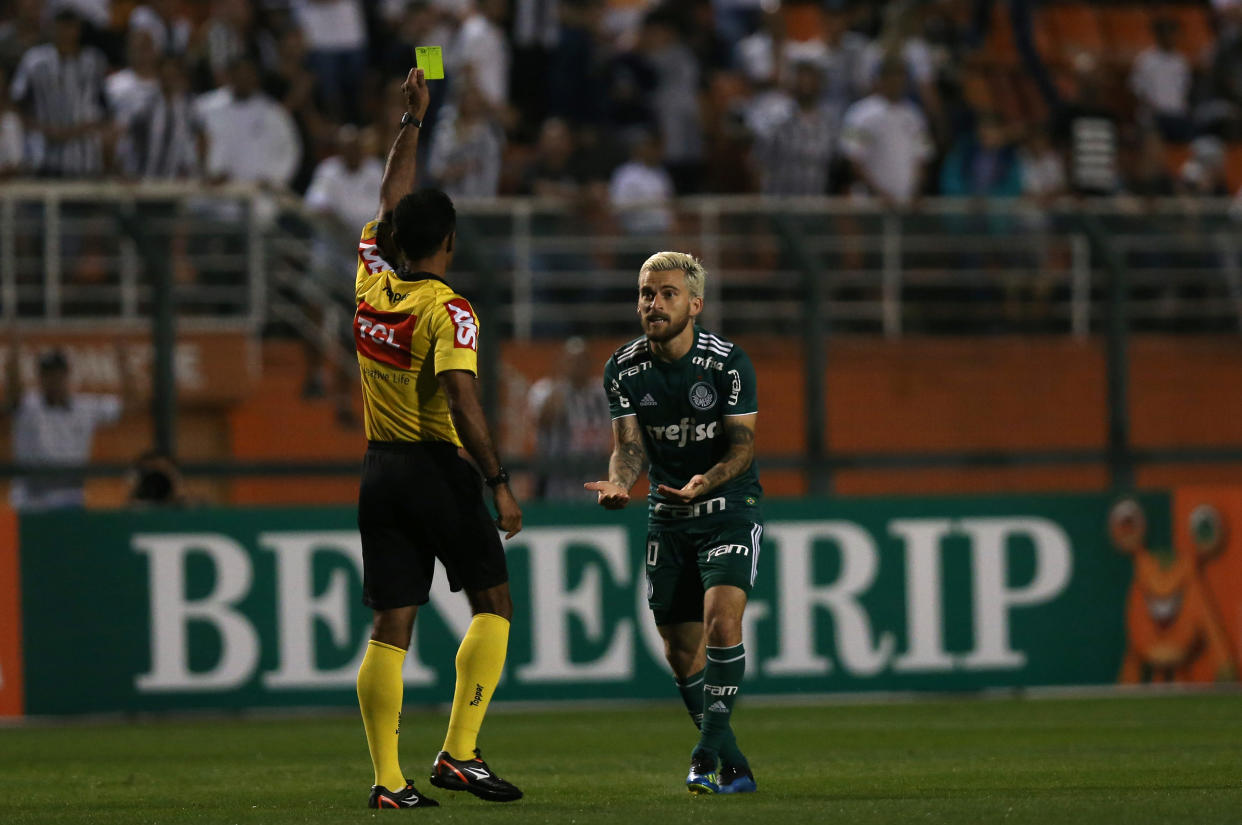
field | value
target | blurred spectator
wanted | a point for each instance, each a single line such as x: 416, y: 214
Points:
x: 574, y: 78
x: 536, y: 33
x: 1160, y: 80
x: 164, y: 21
x: 1150, y: 176
x: 228, y: 35
x: 345, y: 186
x: 59, y: 85
x: 156, y: 482
x: 55, y: 427
x: 886, y: 139
x: 572, y: 426
x: 982, y: 164
x: 735, y: 18
x: 164, y: 138
x: 1043, y: 170
x: 675, y: 100
x: 844, y: 62
x: 901, y: 41
x: 12, y: 133
x: 1203, y: 173
x: 641, y: 190
x: 131, y: 89
x: 336, y: 37
x: 466, y: 147
x: 480, y: 52
x: 793, y: 153
x: 1090, y: 131
x: 94, y: 13
x: 556, y: 171
x: 18, y: 34
x: 342, y: 194
x: 250, y: 137
x: 292, y: 84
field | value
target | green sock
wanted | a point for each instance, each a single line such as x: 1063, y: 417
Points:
x: 691, y: 690
x: 722, y: 679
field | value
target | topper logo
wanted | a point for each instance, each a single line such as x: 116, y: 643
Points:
x: 384, y: 336
x: 462, y: 315
x: 368, y: 255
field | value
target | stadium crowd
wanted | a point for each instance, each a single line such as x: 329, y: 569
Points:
x: 614, y: 100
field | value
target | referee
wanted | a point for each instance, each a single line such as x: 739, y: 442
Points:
x: 417, y: 343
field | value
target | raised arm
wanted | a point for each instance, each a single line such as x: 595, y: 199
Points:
x: 740, y: 431
x: 626, y: 464
x: 399, y: 171
x: 461, y: 389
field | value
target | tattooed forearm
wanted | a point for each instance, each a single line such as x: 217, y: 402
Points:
x: 737, y: 459
x: 628, y: 456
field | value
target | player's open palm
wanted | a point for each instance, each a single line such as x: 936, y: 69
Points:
x: 611, y: 496
x: 694, y: 488
x: 509, y: 514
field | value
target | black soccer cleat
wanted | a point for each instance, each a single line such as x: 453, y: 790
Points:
x: 407, y: 797
x: 473, y: 776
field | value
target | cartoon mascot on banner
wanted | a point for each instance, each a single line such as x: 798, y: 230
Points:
x: 1171, y: 621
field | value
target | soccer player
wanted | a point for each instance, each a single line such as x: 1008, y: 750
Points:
x: 685, y: 398
x: 417, y: 343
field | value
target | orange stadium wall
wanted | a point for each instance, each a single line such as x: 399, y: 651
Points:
x: 945, y: 394
x: 911, y: 394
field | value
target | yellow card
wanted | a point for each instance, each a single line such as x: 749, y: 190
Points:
x: 431, y: 60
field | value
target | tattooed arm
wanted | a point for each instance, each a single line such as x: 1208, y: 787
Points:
x: 740, y: 431
x: 627, y: 463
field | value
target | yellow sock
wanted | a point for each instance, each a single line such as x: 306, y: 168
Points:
x: 480, y: 659
x: 379, y: 695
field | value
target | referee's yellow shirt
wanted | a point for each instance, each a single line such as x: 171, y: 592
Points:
x: 407, y: 332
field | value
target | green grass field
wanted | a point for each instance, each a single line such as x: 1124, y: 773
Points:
x: 1156, y: 759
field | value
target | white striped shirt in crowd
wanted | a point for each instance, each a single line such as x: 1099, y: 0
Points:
x: 63, y: 91
x: 161, y: 140
x: 793, y: 154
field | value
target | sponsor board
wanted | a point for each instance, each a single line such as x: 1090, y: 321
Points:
x: 255, y: 608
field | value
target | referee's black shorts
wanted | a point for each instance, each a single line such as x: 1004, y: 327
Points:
x: 419, y: 502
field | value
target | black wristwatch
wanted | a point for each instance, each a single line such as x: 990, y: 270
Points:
x: 408, y: 119
x: 501, y: 477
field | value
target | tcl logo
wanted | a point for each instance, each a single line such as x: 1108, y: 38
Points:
x: 467, y: 336
x: 369, y: 255
x: 384, y: 336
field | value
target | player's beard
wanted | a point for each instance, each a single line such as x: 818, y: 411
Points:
x: 671, y: 329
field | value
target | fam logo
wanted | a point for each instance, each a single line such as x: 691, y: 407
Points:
x: 703, y: 396
x: 467, y: 327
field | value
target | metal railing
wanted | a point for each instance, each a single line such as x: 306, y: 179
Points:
x: 75, y: 252
x: 78, y: 253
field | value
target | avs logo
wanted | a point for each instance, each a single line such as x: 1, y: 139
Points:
x: 384, y: 336
x: 368, y: 256
x: 461, y: 313
x: 703, y: 396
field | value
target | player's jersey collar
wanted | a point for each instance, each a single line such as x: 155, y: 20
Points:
x: 410, y: 277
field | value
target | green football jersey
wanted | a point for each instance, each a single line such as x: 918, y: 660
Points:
x: 681, y: 407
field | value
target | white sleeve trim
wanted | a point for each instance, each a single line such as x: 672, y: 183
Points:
x: 624, y: 415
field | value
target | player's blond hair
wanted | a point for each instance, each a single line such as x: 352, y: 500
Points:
x: 696, y: 275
